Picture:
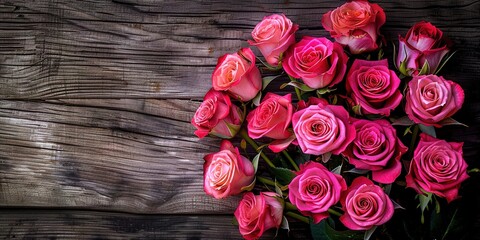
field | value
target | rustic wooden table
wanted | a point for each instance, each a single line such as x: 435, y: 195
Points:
x: 96, y: 99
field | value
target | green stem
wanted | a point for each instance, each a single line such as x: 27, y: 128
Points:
x: 333, y: 212
x: 299, y: 95
x: 291, y: 160
x: 414, y: 139
x: 298, y: 217
x: 266, y: 181
x: 290, y: 206
x: 244, y: 135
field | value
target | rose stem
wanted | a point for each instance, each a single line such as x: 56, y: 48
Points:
x: 298, y: 217
x: 290, y: 159
x: 414, y: 139
x: 266, y: 181
x: 333, y: 212
x: 290, y: 206
x: 299, y: 95
x: 244, y: 135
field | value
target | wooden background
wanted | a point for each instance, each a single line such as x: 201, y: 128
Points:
x: 96, y: 99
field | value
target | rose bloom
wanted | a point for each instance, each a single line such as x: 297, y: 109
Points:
x: 437, y: 167
x: 257, y: 213
x: 317, y: 61
x: 365, y: 205
x: 272, y: 36
x: 272, y: 119
x: 315, y: 189
x: 373, y: 86
x: 237, y: 74
x: 431, y: 99
x: 376, y: 148
x: 423, y: 43
x: 323, y: 128
x: 355, y: 24
x: 226, y: 172
x: 217, y: 116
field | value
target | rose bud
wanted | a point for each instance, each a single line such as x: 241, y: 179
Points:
x: 317, y: 61
x: 257, y: 213
x: 315, y: 189
x: 373, y: 86
x: 365, y: 205
x: 424, y: 43
x: 217, y: 116
x: 355, y: 24
x: 323, y: 129
x: 226, y: 172
x: 437, y: 167
x: 272, y: 119
x: 272, y: 36
x: 376, y: 148
x: 431, y: 99
x: 237, y: 74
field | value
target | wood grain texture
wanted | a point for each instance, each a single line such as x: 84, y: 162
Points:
x: 55, y: 49
x: 58, y: 155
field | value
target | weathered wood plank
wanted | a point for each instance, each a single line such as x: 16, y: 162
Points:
x: 57, y: 155
x: 167, y: 49
x: 68, y: 224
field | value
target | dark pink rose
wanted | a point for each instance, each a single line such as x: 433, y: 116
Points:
x: 431, y: 99
x: 226, y: 172
x: 273, y: 35
x: 423, y: 43
x: 315, y: 189
x: 237, y: 74
x: 317, y: 61
x: 355, y: 24
x: 365, y: 205
x: 373, y: 86
x: 437, y: 167
x: 257, y: 213
x: 322, y: 129
x: 272, y: 119
x: 376, y: 148
x: 217, y: 116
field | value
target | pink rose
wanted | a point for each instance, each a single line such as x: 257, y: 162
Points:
x: 373, y: 86
x: 226, y: 172
x: 317, y: 61
x: 273, y: 35
x: 355, y: 24
x: 237, y: 74
x: 376, y: 148
x: 423, y: 43
x: 322, y: 129
x: 437, y: 167
x: 431, y: 99
x: 217, y: 116
x: 315, y: 189
x: 365, y: 205
x: 256, y: 214
x: 271, y: 119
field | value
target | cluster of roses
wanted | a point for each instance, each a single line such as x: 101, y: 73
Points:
x: 320, y: 127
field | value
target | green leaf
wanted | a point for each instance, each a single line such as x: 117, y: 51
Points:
x: 387, y: 188
x: 322, y: 91
x: 407, y: 131
x: 326, y: 157
x: 357, y: 109
x: 396, y: 205
x: 256, y: 160
x: 403, y: 68
x: 425, y: 199
x: 257, y: 98
x: 451, y: 121
x: 444, y: 62
x: 358, y: 171
x: 285, y: 224
x: 369, y: 233
x: 338, y: 169
x: 268, y: 80
x: 268, y: 66
x: 394, y: 55
x: 430, y: 130
x: 250, y: 186
x: 283, y: 175
x: 380, y: 54
x: 301, y: 158
x: 425, y: 68
x: 454, y: 226
x: 234, y: 221
x: 278, y: 190
x: 243, y: 144
x: 403, y: 121
x: 301, y: 86
x: 323, y: 231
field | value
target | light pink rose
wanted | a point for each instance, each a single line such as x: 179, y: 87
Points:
x: 376, y: 148
x: 322, y: 129
x: 365, y: 205
x: 315, y: 189
x: 423, y: 43
x: 272, y: 119
x: 437, y: 167
x: 317, y: 61
x: 217, y: 116
x: 431, y: 99
x: 237, y: 74
x: 273, y: 35
x: 373, y: 86
x: 226, y: 172
x: 355, y: 24
x: 257, y: 213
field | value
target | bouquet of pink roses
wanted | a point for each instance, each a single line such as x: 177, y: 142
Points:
x: 352, y: 146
